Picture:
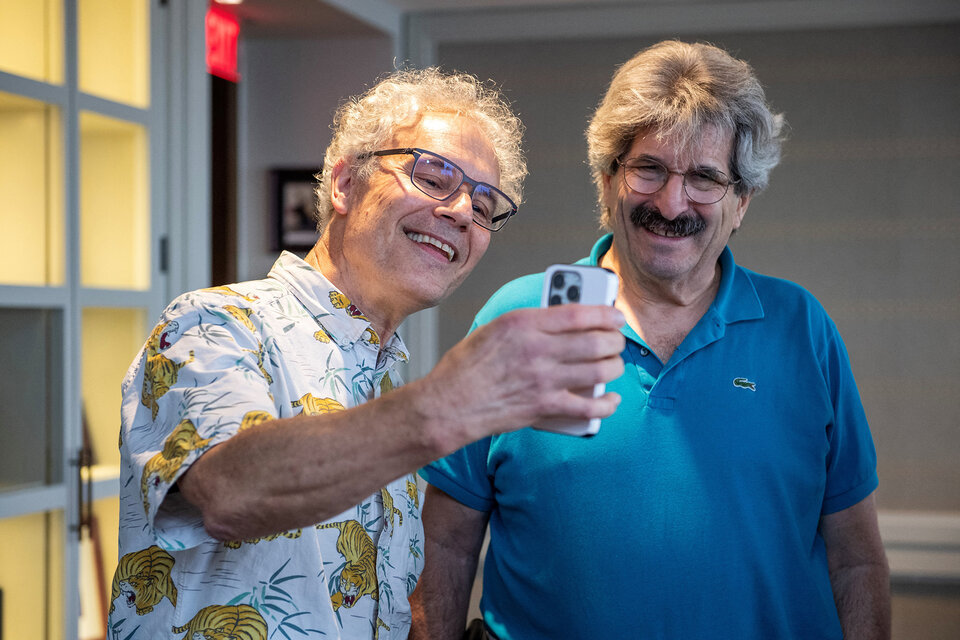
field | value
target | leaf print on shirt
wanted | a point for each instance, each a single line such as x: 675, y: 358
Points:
x: 225, y: 622
x: 275, y: 603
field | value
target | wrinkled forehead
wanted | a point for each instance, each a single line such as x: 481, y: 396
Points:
x: 708, y: 145
x: 456, y: 136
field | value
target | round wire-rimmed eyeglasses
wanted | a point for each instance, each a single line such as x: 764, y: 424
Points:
x: 702, y: 185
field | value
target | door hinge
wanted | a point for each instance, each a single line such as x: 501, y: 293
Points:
x: 164, y: 251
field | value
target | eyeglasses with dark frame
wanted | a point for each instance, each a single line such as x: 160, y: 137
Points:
x: 702, y: 185
x: 440, y: 178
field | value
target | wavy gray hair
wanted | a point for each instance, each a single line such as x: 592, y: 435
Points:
x: 678, y: 90
x: 369, y: 121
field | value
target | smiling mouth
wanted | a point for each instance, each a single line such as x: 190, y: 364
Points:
x: 433, y: 242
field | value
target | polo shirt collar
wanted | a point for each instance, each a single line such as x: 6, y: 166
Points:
x: 339, y: 319
x: 736, y: 299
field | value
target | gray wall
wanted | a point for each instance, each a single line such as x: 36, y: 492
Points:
x: 288, y: 93
x: 862, y: 210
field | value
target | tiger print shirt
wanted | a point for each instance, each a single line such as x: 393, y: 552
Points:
x: 222, y: 360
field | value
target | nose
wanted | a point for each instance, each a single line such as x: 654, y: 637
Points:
x: 458, y: 207
x: 671, y: 198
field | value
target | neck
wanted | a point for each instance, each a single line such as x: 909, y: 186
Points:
x: 327, y: 257
x: 661, y: 312
x: 644, y: 289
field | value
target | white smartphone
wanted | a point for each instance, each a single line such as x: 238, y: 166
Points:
x: 567, y: 283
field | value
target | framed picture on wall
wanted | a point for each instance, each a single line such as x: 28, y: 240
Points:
x: 294, y: 207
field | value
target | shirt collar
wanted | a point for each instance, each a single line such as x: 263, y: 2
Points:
x: 736, y: 299
x: 338, y: 318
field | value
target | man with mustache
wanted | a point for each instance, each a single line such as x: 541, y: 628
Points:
x: 731, y: 494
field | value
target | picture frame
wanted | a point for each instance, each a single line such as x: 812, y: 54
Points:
x: 294, y: 208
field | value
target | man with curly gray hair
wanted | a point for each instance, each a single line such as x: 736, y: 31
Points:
x: 268, y: 447
x: 730, y: 496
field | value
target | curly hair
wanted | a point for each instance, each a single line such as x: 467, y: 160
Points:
x: 369, y: 121
x: 679, y: 90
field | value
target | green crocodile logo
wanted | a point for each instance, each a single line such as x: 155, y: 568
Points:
x: 743, y: 383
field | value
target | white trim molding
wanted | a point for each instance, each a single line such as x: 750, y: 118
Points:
x: 922, y: 546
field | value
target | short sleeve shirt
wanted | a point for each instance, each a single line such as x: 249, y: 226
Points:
x: 694, y: 512
x: 220, y: 361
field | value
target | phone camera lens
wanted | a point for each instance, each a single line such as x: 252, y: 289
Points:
x: 573, y: 293
x: 555, y: 300
x: 558, y: 281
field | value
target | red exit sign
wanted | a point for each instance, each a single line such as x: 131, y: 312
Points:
x: 223, y: 31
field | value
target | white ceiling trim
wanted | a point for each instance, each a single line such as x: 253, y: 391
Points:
x: 427, y: 30
x: 377, y: 13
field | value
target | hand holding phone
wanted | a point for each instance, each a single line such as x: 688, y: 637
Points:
x: 583, y: 284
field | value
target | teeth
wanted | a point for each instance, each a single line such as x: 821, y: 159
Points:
x: 424, y: 239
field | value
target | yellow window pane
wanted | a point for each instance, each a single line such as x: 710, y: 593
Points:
x: 31, y: 39
x: 114, y: 196
x: 114, y: 44
x: 31, y: 576
x: 111, y: 339
x: 31, y: 202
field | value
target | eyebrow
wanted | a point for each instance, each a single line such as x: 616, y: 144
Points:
x: 706, y: 168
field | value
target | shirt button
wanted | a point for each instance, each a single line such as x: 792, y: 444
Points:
x: 644, y: 351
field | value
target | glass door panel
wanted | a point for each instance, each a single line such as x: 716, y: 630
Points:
x: 31, y: 399
x: 31, y: 201
x: 111, y: 339
x: 114, y: 43
x: 114, y: 192
x: 31, y: 575
x: 31, y: 39
x: 98, y: 561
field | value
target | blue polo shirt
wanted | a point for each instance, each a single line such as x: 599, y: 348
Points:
x: 693, y: 513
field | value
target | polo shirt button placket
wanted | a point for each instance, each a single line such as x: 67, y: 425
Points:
x: 644, y: 352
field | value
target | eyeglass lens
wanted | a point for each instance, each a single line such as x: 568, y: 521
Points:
x: 439, y: 178
x: 702, y: 186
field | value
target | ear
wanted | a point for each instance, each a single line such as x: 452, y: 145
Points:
x: 743, y: 201
x: 341, y: 186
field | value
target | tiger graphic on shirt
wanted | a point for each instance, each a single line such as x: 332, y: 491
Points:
x: 225, y: 622
x: 359, y: 575
x: 159, y: 372
x: 143, y: 579
x: 242, y: 316
x: 388, y: 509
x: 227, y: 291
x: 314, y: 406
x: 163, y: 466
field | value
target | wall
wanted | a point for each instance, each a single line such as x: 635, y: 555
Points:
x: 289, y: 91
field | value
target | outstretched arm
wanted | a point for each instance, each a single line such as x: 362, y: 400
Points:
x: 512, y: 372
x: 453, y: 535
x: 858, y: 571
